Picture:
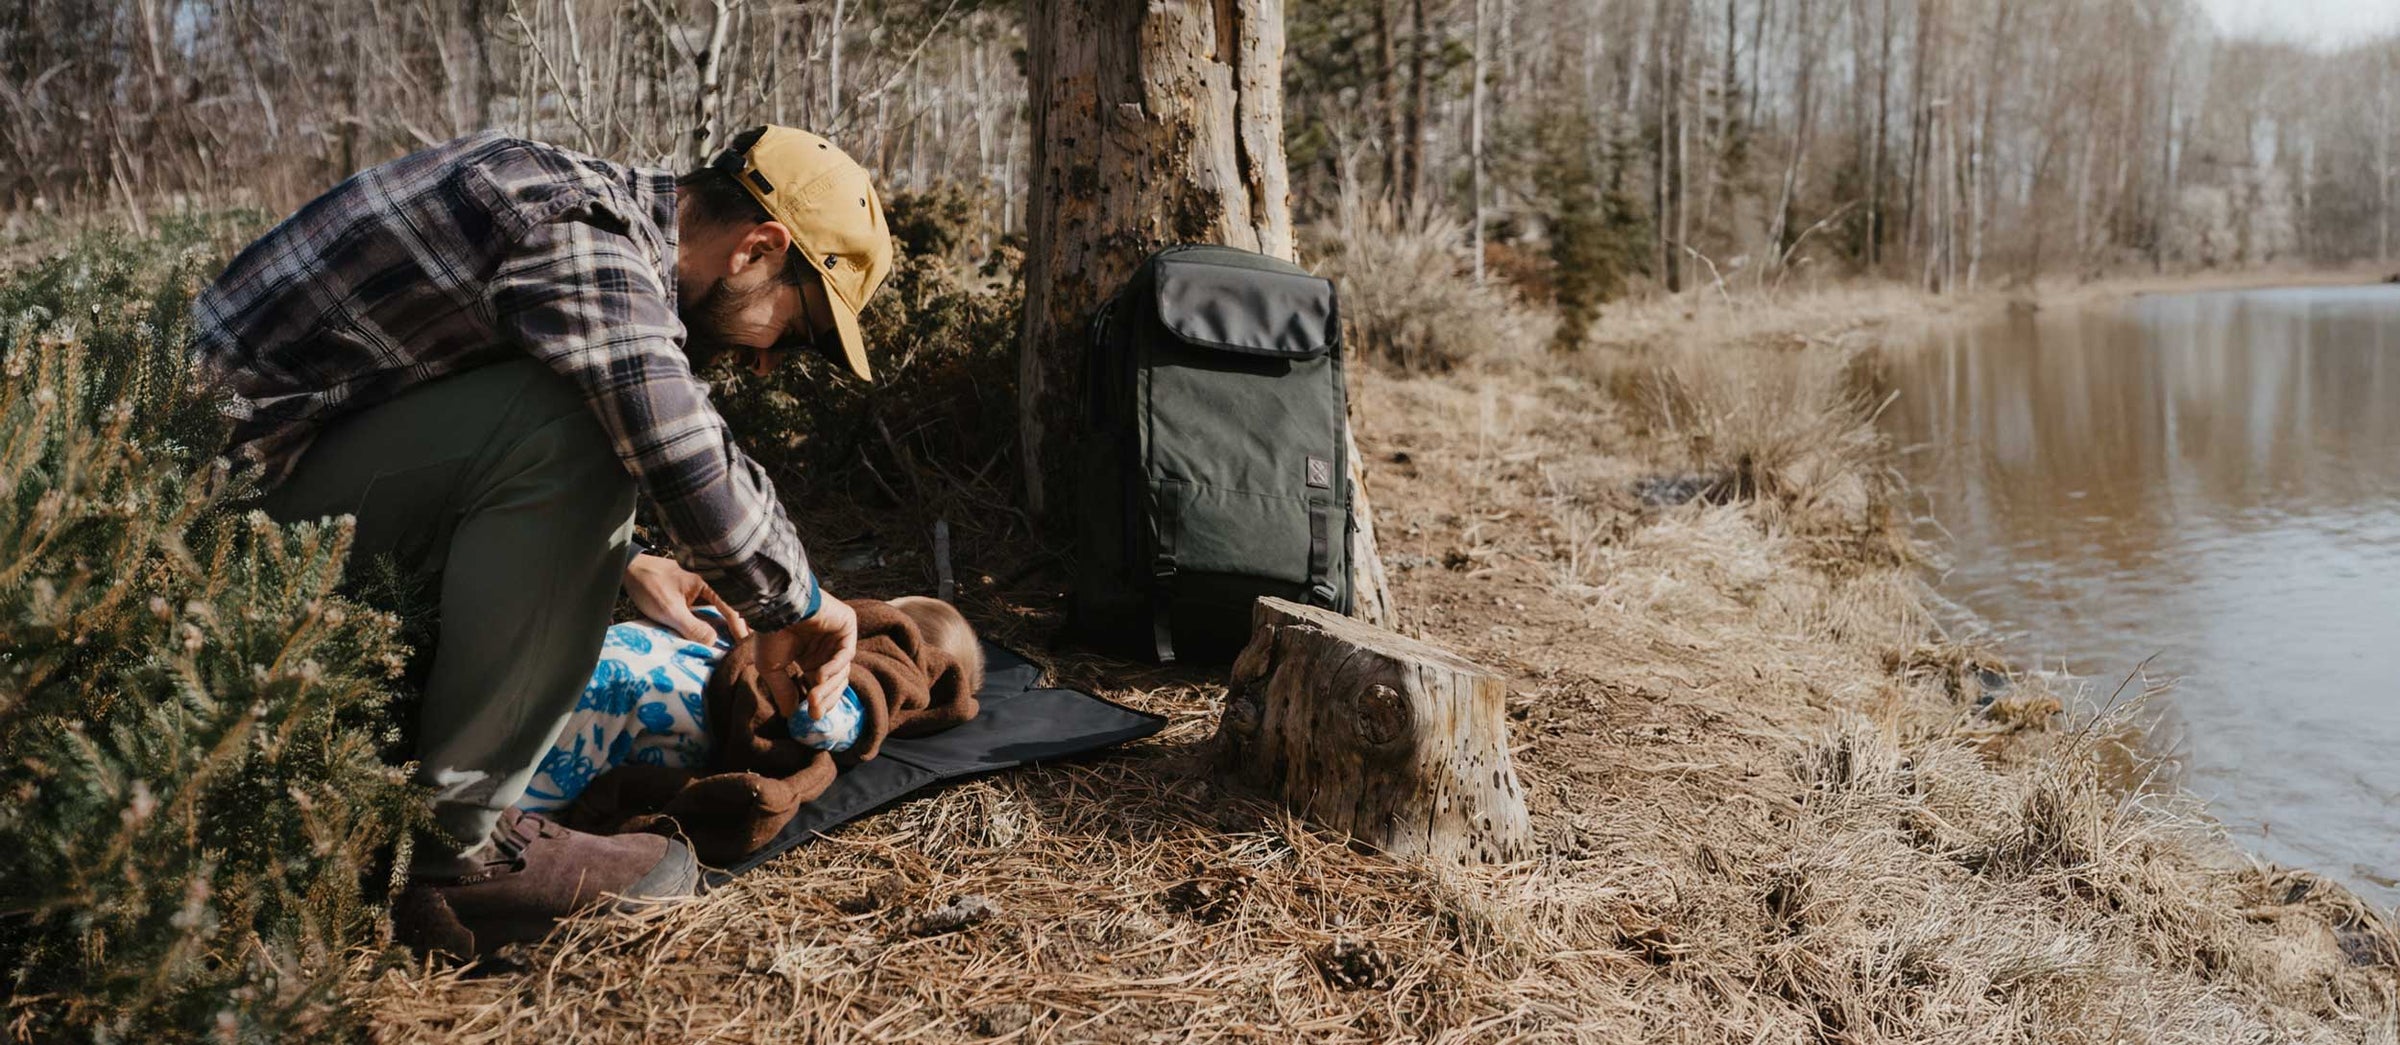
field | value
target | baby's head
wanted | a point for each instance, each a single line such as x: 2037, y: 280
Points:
x: 944, y: 629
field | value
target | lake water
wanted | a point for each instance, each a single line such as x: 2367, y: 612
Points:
x: 2211, y: 481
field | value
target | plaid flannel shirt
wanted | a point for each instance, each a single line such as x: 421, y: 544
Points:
x: 473, y: 250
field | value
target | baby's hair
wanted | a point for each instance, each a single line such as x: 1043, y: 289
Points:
x: 945, y: 629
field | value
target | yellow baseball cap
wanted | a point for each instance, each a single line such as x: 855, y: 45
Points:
x: 829, y: 203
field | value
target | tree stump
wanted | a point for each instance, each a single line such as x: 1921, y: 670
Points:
x: 1400, y: 744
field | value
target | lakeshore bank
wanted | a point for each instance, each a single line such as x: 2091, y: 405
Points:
x: 1772, y: 802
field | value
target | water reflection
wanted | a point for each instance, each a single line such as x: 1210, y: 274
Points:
x: 2211, y: 478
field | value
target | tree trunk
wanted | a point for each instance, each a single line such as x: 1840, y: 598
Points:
x: 1420, y: 100
x: 1475, y: 149
x: 1980, y: 182
x: 833, y: 68
x: 1401, y: 745
x: 1758, y: 59
x: 2383, y: 155
x: 1921, y: 128
x: 1720, y: 131
x: 1803, y: 121
x: 708, y: 104
x: 2162, y: 220
x: 1883, y: 125
x: 1371, y: 598
x: 1679, y: 108
x: 1153, y: 124
x: 1387, y: 95
x: 1507, y: 46
x: 1662, y: 257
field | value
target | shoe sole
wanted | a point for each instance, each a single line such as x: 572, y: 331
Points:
x: 675, y: 876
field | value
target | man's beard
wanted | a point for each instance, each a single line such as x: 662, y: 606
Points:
x: 706, y: 317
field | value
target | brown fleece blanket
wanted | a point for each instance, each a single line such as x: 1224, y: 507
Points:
x: 758, y: 776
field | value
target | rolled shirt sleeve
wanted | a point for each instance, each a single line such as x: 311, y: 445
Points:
x: 587, y: 302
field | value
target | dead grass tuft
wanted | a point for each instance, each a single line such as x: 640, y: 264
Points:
x: 1405, y: 301
x: 1788, y: 431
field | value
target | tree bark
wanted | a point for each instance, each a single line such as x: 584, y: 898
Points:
x: 1720, y: 130
x: 1919, y: 218
x: 833, y: 67
x: 1420, y: 102
x: 1980, y: 182
x: 708, y: 104
x: 1387, y: 95
x: 2163, y: 219
x: 1883, y: 125
x: 1475, y: 148
x: 1678, y: 190
x: 1758, y: 60
x: 2384, y: 93
x: 1371, y: 597
x: 1399, y: 744
x: 1153, y: 124
x: 1803, y: 121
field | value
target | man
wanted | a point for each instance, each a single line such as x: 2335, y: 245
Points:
x: 483, y: 352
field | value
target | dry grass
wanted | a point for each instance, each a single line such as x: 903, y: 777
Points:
x: 1769, y: 808
x: 1404, y: 302
x: 1848, y: 313
x: 1841, y: 314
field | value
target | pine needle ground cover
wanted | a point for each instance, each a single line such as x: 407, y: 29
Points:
x: 1771, y: 801
x: 195, y: 805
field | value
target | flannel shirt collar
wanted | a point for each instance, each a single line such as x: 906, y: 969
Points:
x: 657, y: 189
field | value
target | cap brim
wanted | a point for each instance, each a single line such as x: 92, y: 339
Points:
x: 854, y: 346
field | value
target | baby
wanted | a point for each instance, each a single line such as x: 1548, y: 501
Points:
x: 647, y: 702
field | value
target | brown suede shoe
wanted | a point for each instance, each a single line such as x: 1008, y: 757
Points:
x: 531, y: 874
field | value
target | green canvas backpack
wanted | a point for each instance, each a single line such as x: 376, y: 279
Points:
x: 1212, y: 468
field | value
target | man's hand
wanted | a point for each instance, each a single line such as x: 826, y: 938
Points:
x: 666, y: 593
x: 809, y: 659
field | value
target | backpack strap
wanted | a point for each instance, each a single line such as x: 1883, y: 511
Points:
x: 1323, y: 476
x: 1320, y: 551
x: 1162, y: 582
x: 1162, y: 628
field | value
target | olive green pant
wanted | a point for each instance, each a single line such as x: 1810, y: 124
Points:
x: 499, y: 484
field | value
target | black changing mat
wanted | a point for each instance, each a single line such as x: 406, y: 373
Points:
x: 1018, y: 722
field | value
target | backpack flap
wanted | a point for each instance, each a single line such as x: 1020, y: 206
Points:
x: 1252, y: 311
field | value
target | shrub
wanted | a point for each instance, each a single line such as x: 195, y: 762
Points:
x: 1598, y: 237
x: 1405, y: 300
x: 189, y: 712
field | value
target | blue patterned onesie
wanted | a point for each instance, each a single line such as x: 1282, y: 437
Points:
x: 647, y: 703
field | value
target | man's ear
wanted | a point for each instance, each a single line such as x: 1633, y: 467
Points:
x: 764, y: 243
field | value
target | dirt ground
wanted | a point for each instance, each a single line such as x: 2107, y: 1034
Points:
x: 1772, y: 802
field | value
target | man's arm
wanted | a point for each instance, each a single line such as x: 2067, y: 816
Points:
x: 588, y: 303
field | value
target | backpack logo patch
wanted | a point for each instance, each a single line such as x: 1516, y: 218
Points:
x: 1320, y: 473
